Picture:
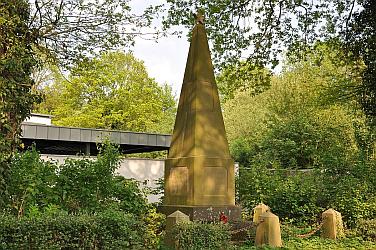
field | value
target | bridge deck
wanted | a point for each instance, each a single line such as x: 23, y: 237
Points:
x: 67, y: 140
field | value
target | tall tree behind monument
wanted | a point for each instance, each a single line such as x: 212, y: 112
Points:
x: 113, y: 91
x: 199, y: 172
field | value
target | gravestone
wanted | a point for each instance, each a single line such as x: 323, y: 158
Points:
x: 258, y: 210
x: 268, y: 230
x: 332, y: 225
x: 171, y: 220
x: 199, y: 172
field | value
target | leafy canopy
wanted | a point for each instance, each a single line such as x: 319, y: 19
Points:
x: 263, y: 28
x: 304, y: 144
x: 302, y: 121
x: 243, y: 77
x: 17, y: 60
x: 112, y: 91
x: 67, y: 30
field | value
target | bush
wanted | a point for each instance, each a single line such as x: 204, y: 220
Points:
x: 300, y: 197
x: 352, y: 197
x: 194, y: 235
x: 76, y: 186
x: 294, y: 197
x: 366, y: 229
x: 31, y: 182
x: 106, y: 230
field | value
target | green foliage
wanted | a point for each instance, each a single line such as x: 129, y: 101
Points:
x: 319, y: 243
x: 351, y: 195
x: 105, y: 230
x: 155, y: 223
x: 291, y: 241
x: 87, y: 184
x: 300, y: 197
x: 112, y: 91
x: 305, y: 121
x: 17, y: 61
x: 360, y: 41
x: 261, y: 30
x: 195, y: 235
x: 242, y: 77
x: 31, y: 182
x: 293, y: 196
x: 78, y: 185
x: 62, y: 30
x: 67, y: 30
x: 366, y: 229
x: 58, y: 31
x: 301, y: 121
x: 91, y: 207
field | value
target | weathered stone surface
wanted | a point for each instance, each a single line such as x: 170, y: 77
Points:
x: 204, y: 213
x: 171, y: 221
x: 258, y: 210
x: 268, y: 231
x: 199, y: 170
x: 332, y: 225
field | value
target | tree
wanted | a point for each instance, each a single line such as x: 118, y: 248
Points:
x: 70, y: 29
x: 62, y: 31
x: 112, y: 91
x: 361, y: 41
x: 17, y: 60
x: 302, y: 121
x: 260, y: 30
x: 245, y: 77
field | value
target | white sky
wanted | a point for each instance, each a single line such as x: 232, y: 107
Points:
x: 165, y: 59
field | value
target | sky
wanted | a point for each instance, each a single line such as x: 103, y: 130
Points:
x: 165, y: 59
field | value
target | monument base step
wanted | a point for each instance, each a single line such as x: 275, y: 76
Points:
x: 204, y: 213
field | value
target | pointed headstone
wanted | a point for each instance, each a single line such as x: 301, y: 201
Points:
x: 199, y: 171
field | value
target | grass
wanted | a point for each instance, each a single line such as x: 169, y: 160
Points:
x: 316, y: 242
x: 290, y: 241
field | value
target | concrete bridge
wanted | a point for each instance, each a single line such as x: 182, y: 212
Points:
x: 60, y: 143
x: 50, y: 139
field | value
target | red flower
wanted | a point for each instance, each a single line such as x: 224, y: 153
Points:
x: 223, y: 218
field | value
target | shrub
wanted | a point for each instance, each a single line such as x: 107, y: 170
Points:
x: 194, y: 235
x: 31, y: 182
x: 354, y: 198
x: 76, y: 186
x: 366, y: 229
x: 300, y: 197
x: 293, y: 197
x: 106, y: 230
x: 155, y: 223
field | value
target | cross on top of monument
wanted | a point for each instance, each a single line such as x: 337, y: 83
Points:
x: 199, y: 17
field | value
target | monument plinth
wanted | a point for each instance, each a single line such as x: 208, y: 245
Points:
x: 199, y: 171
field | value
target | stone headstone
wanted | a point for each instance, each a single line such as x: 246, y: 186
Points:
x: 171, y: 221
x: 332, y: 225
x: 268, y: 230
x: 258, y: 210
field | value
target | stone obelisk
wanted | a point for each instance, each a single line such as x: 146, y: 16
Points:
x: 199, y: 172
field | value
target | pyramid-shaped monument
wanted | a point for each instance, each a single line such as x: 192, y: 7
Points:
x: 199, y: 171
